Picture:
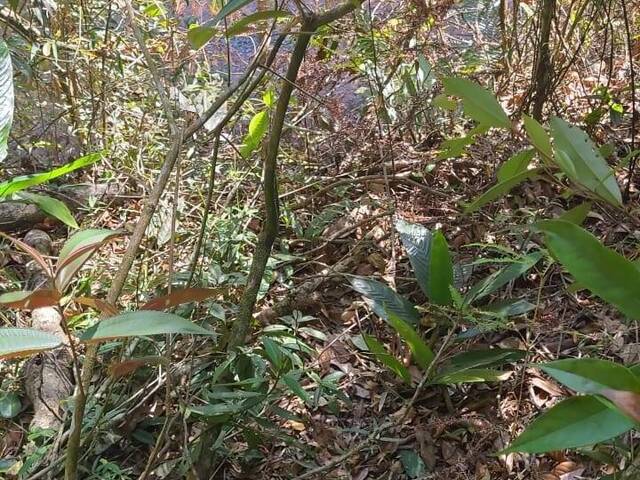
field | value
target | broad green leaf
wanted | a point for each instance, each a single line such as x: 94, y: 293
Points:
x: 484, y: 358
x: 258, y: 126
x: 51, y: 206
x: 455, y: 147
x: 442, y: 101
x: 200, y: 35
x: 574, y: 422
x: 6, y: 98
x: 141, y: 323
x: 603, y: 271
x: 422, y: 354
x: 30, y: 299
x: 274, y: 352
x: 579, y: 159
x: 19, y: 342
x: 10, y: 405
x: 229, y: 7
x: 382, y: 298
x: 515, y: 165
x: 20, y: 183
x: 440, y: 271
x: 478, y: 103
x: 384, y: 357
x: 500, y: 189
x: 538, y: 137
x: 577, y: 214
x: 291, y: 381
x: 592, y: 375
x: 471, y: 375
x: 244, y: 24
x: 417, y: 241
x: 501, y: 277
x: 77, y: 250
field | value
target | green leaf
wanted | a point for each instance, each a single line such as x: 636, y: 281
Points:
x: 592, y: 375
x: 244, y: 24
x: 413, y: 465
x: 501, y: 277
x: 77, y: 250
x: 509, y: 308
x: 500, y: 189
x: 20, y: 183
x: 484, y: 358
x: 6, y: 98
x: 291, y: 381
x: 420, y: 350
x: 274, y: 352
x: 200, y: 35
x: 141, y: 323
x: 455, y: 147
x: 579, y: 159
x: 440, y: 271
x: 577, y: 214
x: 603, y: 271
x: 19, y: 342
x: 230, y: 7
x: 384, y: 357
x: 574, y: 422
x: 515, y: 165
x: 471, y: 375
x: 478, y: 103
x: 10, y: 405
x: 51, y: 206
x: 442, y: 101
x: 383, y: 299
x: 258, y: 126
x: 538, y: 137
x: 417, y: 241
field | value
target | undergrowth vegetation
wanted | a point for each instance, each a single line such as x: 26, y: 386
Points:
x: 325, y: 239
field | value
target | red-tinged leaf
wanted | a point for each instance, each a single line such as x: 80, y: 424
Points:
x: 121, y: 369
x: 178, y: 297
x: 627, y: 402
x: 97, y: 304
x: 32, y: 252
x: 77, y: 250
x: 30, y: 299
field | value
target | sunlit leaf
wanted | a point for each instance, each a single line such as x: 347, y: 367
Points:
x: 77, y: 250
x: 422, y: 353
x: 417, y: 241
x: 6, y: 98
x: 538, y: 137
x: 141, y: 323
x: 515, y: 165
x: 50, y: 206
x: 478, y: 103
x: 244, y: 24
x: 20, y: 183
x: 471, y: 375
x: 258, y: 126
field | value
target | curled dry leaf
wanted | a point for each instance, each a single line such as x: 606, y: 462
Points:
x: 178, y: 297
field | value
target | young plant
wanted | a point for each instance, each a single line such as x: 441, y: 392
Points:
x: 434, y: 270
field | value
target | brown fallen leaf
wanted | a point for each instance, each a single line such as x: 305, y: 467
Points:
x: 178, y: 297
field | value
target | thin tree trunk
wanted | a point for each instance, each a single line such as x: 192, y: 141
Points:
x: 542, y: 73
